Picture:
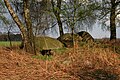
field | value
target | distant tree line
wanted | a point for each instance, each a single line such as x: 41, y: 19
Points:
x: 11, y: 37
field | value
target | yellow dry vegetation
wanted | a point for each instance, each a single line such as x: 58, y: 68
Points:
x: 83, y: 63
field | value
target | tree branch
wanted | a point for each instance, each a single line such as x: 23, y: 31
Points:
x: 104, y: 15
x: 117, y: 3
x: 14, y: 16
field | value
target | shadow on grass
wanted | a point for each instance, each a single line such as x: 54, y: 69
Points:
x: 99, y: 74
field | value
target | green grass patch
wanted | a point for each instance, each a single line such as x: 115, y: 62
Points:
x: 60, y: 50
x: 7, y: 43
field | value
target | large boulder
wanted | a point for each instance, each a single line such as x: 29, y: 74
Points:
x: 46, y: 44
x: 67, y: 39
x: 86, y: 37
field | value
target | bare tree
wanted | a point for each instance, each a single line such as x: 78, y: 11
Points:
x: 77, y: 14
x: 40, y: 16
x: 56, y: 7
x: 114, y: 4
x: 110, y: 9
x: 26, y: 29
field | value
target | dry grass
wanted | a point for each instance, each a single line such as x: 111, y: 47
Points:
x: 83, y: 63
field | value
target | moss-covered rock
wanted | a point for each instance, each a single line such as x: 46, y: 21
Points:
x: 47, y: 43
x: 67, y: 39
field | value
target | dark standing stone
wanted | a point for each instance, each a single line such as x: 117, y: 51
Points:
x: 86, y: 37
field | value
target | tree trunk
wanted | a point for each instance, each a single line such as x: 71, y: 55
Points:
x: 16, y: 19
x: 9, y: 39
x: 56, y: 12
x: 59, y: 24
x: 27, y: 35
x: 112, y: 21
x: 30, y: 44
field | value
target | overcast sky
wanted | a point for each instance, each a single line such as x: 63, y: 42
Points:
x: 97, y: 32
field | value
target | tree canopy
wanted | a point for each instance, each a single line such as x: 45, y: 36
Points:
x: 32, y: 16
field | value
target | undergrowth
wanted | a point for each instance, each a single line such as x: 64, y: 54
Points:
x: 45, y: 57
x: 86, y: 62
